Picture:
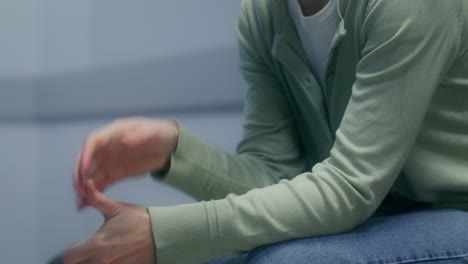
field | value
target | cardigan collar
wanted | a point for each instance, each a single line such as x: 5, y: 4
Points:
x: 286, y: 40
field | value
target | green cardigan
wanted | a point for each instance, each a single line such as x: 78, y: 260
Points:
x: 392, y: 117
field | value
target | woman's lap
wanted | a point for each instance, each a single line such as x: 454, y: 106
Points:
x: 418, y: 237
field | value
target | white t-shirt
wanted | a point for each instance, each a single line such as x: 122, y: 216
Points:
x: 316, y: 33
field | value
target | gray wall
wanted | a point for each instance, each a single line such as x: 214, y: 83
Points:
x: 20, y: 33
x: 68, y: 67
x: 19, y: 192
x: 65, y: 58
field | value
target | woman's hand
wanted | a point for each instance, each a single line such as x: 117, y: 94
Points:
x: 125, y: 237
x: 125, y: 148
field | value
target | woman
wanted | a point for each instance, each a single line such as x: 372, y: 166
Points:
x: 348, y: 102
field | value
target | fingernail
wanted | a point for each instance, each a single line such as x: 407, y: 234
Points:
x: 80, y: 203
x: 81, y: 206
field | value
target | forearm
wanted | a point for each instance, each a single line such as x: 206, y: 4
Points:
x: 206, y: 172
x: 309, y: 205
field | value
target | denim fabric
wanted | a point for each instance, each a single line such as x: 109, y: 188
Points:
x: 437, y: 236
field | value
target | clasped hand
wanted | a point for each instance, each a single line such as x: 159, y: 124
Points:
x: 125, y: 148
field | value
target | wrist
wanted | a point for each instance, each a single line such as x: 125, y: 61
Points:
x: 174, y: 129
x: 164, y: 170
x: 176, y: 134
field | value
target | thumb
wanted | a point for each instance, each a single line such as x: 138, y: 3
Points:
x: 96, y: 199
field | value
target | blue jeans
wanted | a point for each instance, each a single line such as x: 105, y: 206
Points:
x: 434, y: 236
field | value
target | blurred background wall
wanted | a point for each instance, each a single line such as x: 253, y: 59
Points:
x: 69, y: 67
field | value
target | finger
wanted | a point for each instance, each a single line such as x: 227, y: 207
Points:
x: 77, y: 181
x: 96, y: 199
x: 101, y: 179
x: 78, y: 253
x: 103, y: 162
x: 93, y: 144
x: 110, y: 168
x: 78, y: 186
